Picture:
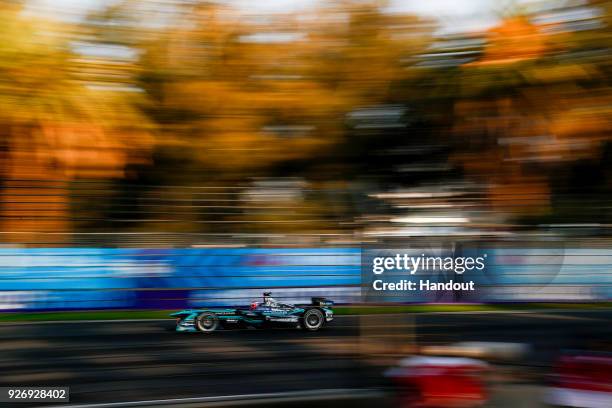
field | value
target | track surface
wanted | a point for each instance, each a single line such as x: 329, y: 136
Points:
x: 146, y: 360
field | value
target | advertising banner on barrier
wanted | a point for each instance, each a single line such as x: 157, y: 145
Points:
x: 104, y: 278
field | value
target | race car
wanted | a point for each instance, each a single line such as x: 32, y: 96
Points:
x: 269, y: 313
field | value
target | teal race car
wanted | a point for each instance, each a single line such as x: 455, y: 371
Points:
x: 269, y: 313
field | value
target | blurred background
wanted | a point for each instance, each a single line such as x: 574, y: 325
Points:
x: 161, y: 154
x: 178, y: 123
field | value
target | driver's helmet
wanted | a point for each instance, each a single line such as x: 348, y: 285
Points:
x: 268, y: 300
x: 254, y: 305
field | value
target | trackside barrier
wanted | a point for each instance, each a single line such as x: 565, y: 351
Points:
x: 140, y: 278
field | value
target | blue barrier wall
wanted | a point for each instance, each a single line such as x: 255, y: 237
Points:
x: 98, y: 278
x: 93, y: 278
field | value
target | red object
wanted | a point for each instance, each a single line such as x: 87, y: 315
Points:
x: 440, y: 382
x: 582, y: 380
x: 585, y: 372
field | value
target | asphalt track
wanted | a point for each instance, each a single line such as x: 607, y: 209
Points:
x: 147, y: 360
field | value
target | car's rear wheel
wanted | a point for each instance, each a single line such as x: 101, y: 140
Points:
x: 207, y: 322
x: 312, y: 320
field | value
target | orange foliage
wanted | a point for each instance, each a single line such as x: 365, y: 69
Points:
x: 515, y: 39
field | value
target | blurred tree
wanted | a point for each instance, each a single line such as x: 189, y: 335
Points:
x: 55, y: 128
x: 535, y: 102
x: 236, y: 98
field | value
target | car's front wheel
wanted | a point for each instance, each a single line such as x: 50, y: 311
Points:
x: 312, y: 320
x: 207, y: 322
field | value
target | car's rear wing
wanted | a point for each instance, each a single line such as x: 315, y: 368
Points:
x: 321, y: 301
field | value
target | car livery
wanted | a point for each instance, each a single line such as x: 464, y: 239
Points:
x: 269, y: 313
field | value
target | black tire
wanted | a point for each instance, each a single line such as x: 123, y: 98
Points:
x: 312, y: 320
x: 207, y: 322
